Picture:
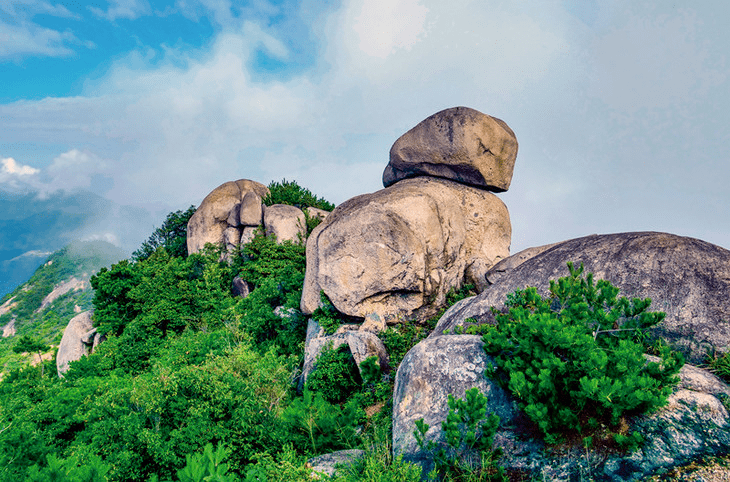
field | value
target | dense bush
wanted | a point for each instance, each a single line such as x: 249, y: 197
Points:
x: 466, y: 453
x: 575, y: 360
x: 291, y: 193
x: 172, y: 236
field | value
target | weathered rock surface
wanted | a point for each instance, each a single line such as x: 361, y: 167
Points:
x: 327, y: 463
x: 74, y: 341
x: 398, y: 251
x: 286, y: 222
x: 9, y: 329
x: 694, y: 424
x: 251, y: 212
x: 362, y: 345
x: 211, y: 218
x: 240, y: 287
x: 498, y: 271
x: 460, y: 144
x: 430, y: 371
x: 687, y: 278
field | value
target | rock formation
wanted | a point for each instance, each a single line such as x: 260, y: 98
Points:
x: 460, y: 144
x: 79, y: 339
x: 686, y: 278
x: 218, y: 218
x: 695, y: 423
x: 398, y: 251
x: 285, y: 222
x: 401, y: 249
x: 362, y: 345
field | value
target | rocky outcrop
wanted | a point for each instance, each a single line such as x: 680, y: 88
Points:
x: 71, y: 284
x: 686, y: 278
x: 695, y: 423
x: 287, y: 223
x: 76, y: 342
x: 327, y: 464
x: 460, y: 144
x: 361, y: 343
x: 398, y: 251
x: 218, y: 218
x: 499, y: 270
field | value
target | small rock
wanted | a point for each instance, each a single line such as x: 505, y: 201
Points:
x: 285, y: 222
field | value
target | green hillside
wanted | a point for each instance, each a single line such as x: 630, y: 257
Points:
x: 58, y: 290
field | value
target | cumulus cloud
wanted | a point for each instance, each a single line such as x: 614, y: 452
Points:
x: 174, y: 129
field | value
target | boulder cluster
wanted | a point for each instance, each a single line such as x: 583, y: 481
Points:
x: 436, y: 225
x: 393, y: 255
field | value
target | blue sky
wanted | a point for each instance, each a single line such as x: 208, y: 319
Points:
x: 621, y: 109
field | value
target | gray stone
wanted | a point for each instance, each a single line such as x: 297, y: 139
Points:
x: 211, y: 218
x: 286, y: 222
x: 686, y: 278
x: 251, y: 212
x: 73, y: 343
x: 460, y: 144
x: 328, y: 463
x: 498, y: 271
x: 373, y: 323
x: 694, y: 424
x: 247, y: 234
x: 430, y: 371
x: 362, y: 345
x: 231, y: 238
x: 240, y: 287
x: 397, y: 252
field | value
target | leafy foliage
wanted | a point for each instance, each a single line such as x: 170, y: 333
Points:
x: 575, y: 359
x: 467, y: 431
x: 172, y: 236
x: 335, y: 376
x: 291, y: 193
x: 207, y: 467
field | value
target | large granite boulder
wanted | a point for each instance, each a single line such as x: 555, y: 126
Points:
x: 460, y: 144
x: 218, y: 218
x: 77, y: 341
x: 695, y: 422
x: 287, y: 223
x: 687, y: 278
x: 398, y: 251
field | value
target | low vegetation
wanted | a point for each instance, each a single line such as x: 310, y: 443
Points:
x: 195, y: 384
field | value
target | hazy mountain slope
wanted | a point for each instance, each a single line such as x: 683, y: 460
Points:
x: 32, y: 227
x: 57, y: 290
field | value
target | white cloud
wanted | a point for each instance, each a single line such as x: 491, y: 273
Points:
x: 128, y: 9
x: 12, y: 168
x: 27, y: 38
x: 384, y: 26
x: 173, y: 130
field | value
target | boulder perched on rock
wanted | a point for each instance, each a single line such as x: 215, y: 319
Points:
x: 694, y: 424
x: 686, y: 278
x: 460, y: 144
x: 287, y: 223
x: 219, y: 211
x: 398, y: 251
x: 76, y: 341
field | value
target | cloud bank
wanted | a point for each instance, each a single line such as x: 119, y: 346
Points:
x: 620, y: 110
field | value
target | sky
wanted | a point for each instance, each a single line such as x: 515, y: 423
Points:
x: 621, y: 108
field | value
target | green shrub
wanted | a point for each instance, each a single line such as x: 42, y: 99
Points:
x: 317, y: 426
x: 575, y: 359
x: 335, y: 376
x: 468, y: 431
x: 208, y: 466
x: 291, y: 193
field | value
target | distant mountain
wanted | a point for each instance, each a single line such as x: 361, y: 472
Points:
x: 32, y: 227
x: 55, y: 293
